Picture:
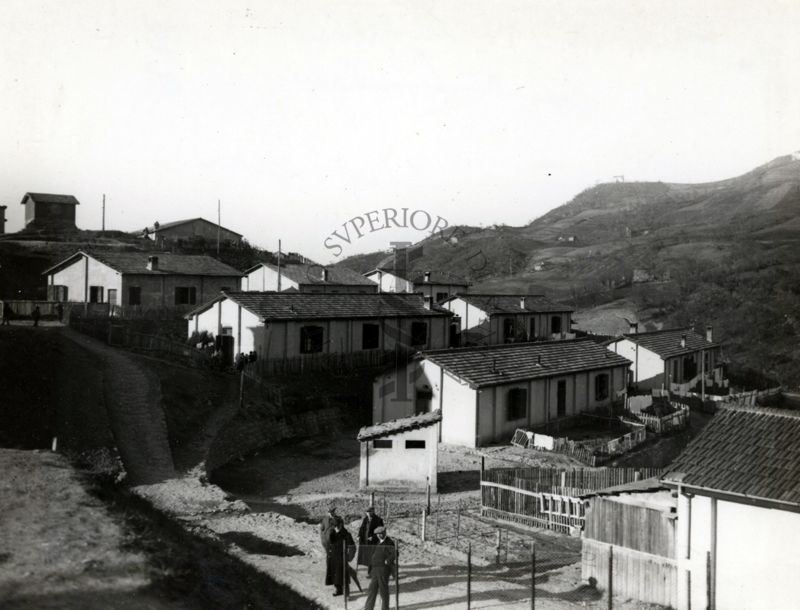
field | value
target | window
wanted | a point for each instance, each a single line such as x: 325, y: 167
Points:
x: 61, y: 293
x: 424, y: 396
x: 95, y: 294
x: 311, y: 339
x: 508, y: 330
x: 419, y: 333
x: 381, y: 444
x: 415, y: 444
x: 185, y: 295
x: 441, y: 296
x: 601, y: 387
x: 134, y: 295
x: 370, y: 336
x: 674, y: 371
x: 561, y: 398
x: 112, y: 296
x: 227, y: 330
x: 555, y: 325
x: 517, y: 404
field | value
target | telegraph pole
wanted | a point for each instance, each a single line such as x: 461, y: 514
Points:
x: 103, y: 231
x: 279, y: 265
x: 219, y: 223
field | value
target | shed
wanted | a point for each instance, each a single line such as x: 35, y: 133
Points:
x: 400, y: 454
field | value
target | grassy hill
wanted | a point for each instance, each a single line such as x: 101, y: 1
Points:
x: 725, y: 253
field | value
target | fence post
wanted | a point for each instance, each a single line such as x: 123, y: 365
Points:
x: 497, y: 548
x: 533, y: 575
x: 610, y: 576
x: 458, y: 523
x: 424, y: 515
x: 469, y: 576
x: 372, y: 499
x: 428, y: 496
x: 436, y: 528
x: 396, y: 577
x: 345, y: 575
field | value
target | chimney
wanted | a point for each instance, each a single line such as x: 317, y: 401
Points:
x: 152, y: 263
x: 539, y: 359
x: 710, y: 333
x: 683, y: 340
x: 427, y: 276
x: 494, y: 365
x: 324, y: 274
x: 522, y: 302
x: 634, y: 328
x: 2, y: 219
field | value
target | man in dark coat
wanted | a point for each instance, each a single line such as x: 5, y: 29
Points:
x: 381, y: 566
x: 37, y: 313
x: 340, y: 550
x: 326, y: 525
x: 366, y: 535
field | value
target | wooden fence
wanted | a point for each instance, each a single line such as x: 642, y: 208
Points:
x: 674, y: 421
x: 24, y: 308
x: 548, y: 497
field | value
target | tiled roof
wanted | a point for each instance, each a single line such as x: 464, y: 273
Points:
x: 50, y: 198
x: 500, y: 364
x: 177, y: 223
x: 667, y: 343
x: 441, y: 277
x: 310, y: 273
x: 397, y: 426
x: 168, y: 264
x: 506, y: 304
x: 748, y: 451
x: 322, y: 306
x: 642, y: 486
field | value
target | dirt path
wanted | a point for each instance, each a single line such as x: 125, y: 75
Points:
x: 133, y: 400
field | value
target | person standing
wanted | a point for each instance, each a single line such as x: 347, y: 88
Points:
x: 60, y: 312
x: 366, y: 535
x: 326, y: 525
x: 381, y: 564
x: 7, y: 313
x: 340, y: 551
x: 37, y: 313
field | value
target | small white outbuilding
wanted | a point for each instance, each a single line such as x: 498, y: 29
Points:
x: 400, y: 454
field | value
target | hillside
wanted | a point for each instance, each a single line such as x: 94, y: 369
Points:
x: 726, y: 253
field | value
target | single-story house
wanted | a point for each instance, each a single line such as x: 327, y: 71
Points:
x: 492, y: 319
x: 485, y: 393
x: 281, y: 325
x: 402, y: 453
x: 305, y: 277
x: 673, y: 359
x: 439, y: 285
x: 146, y: 280
x: 739, y: 510
x: 191, y: 228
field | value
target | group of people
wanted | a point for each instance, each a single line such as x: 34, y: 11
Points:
x: 8, y: 313
x: 375, y: 550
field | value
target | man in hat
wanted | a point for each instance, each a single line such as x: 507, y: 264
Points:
x: 326, y: 526
x: 381, y: 564
x: 341, y: 549
x: 366, y: 535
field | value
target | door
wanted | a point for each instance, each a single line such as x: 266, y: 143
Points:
x: 423, y: 401
x: 561, y: 398
x: 112, y: 296
x: 226, y: 348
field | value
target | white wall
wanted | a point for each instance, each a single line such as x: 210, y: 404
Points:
x: 647, y: 367
x: 265, y: 278
x: 226, y: 313
x: 74, y: 278
x: 399, y: 467
x: 756, y: 554
x: 388, y: 282
x: 470, y: 315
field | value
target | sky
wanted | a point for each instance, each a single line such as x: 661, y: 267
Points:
x: 300, y: 115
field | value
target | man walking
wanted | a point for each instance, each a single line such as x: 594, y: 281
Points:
x: 381, y: 564
x: 37, y: 313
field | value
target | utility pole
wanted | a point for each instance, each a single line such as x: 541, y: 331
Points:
x: 103, y: 231
x: 279, y: 265
x: 219, y: 223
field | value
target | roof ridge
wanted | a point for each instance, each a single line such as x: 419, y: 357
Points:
x: 507, y: 345
x: 662, y: 330
x: 772, y: 411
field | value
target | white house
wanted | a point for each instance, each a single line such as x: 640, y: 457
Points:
x: 674, y: 359
x: 304, y: 278
x: 492, y: 319
x: 281, y: 325
x: 139, y: 279
x: 485, y: 393
x: 400, y: 454
x: 739, y: 511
